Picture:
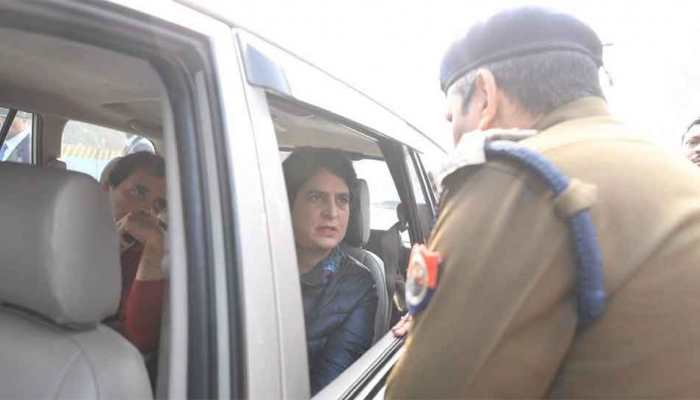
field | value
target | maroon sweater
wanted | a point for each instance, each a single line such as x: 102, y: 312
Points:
x: 141, y: 302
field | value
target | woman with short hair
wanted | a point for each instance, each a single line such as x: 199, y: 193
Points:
x: 339, y: 296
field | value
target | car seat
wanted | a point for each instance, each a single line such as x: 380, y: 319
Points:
x: 387, y: 245
x: 355, y: 239
x: 59, y: 278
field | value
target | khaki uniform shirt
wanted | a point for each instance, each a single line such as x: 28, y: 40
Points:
x: 503, y: 320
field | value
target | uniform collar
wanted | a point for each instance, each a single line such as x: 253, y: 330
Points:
x: 470, y: 149
x: 582, y: 108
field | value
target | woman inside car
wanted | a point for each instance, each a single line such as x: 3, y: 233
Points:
x: 136, y: 186
x: 338, y: 292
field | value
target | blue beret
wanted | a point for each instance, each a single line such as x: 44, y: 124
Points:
x: 518, y: 32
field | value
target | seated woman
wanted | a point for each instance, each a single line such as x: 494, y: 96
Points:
x: 136, y: 186
x: 338, y: 292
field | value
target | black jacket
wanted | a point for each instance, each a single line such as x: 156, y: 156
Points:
x: 339, y: 318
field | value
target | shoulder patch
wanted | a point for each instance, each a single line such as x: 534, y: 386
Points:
x: 470, y: 150
x: 422, y: 277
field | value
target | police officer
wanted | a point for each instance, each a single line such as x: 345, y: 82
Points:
x: 507, y: 317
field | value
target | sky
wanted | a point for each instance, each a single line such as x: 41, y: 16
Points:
x: 391, y: 50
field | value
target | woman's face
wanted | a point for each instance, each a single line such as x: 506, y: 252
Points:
x: 320, y: 212
x: 139, y: 191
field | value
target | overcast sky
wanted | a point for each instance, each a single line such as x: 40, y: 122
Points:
x: 391, y: 50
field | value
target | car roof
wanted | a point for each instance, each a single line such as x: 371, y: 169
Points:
x: 57, y: 77
x: 54, y: 76
x: 308, y: 83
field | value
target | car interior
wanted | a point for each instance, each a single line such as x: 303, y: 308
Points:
x: 60, y: 272
x: 57, y: 288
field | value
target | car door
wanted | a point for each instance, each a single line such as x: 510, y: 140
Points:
x: 272, y: 73
x: 227, y: 245
x: 234, y: 325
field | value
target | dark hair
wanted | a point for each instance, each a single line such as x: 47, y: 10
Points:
x: 305, y: 162
x: 127, y: 165
x: 542, y: 82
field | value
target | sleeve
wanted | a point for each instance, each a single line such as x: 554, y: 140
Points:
x: 503, y: 315
x: 142, y: 313
x: 348, y: 342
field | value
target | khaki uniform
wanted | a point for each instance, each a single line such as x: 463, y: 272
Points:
x: 503, y: 320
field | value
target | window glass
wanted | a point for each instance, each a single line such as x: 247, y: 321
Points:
x: 383, y: 197
x: 423, y: 207
x: 431, y: 165
x: 415, y: 180
x: 18, y: 143
x: 88, y: 148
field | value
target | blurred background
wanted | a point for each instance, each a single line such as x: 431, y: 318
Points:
x: 391, y: 50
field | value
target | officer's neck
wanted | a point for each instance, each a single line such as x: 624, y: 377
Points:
x: 525, y: 121
x: 307, y: 259
x: 518, y: 120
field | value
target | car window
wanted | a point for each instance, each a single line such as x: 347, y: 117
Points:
x: 88, y: 148
x: 423, y: 206
x: 383, y: 253
x: 18, y: 142
x: 415, y: 180
x: 431, y: 167
x: 384, y: 199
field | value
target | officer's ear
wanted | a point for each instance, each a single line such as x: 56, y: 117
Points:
x: 485, y: 87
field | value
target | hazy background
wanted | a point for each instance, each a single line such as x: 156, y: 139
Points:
x: 391, y: 50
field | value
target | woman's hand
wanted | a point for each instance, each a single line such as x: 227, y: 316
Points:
x: 146, y: 229
x: 403, y: 326
x: 142, y: 226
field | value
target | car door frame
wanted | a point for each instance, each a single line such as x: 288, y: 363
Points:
x: 221, y: 252
x: 367, y: 376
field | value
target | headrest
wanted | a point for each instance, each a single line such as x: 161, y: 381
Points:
x: 56, y: 163
x: 59, y: 252
x: 358, y: 226
x: 402, y: 213
x: 402, y: 218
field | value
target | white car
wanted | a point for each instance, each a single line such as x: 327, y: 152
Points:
x: 224, y: 107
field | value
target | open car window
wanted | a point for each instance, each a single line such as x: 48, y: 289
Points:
x: 384, y: 199
x: 386, y: 244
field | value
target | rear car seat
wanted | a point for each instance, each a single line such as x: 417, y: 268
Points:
x: 59, y: 277
x: 355, y: 239
x: 387, y: 245
x: 56, y: 163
